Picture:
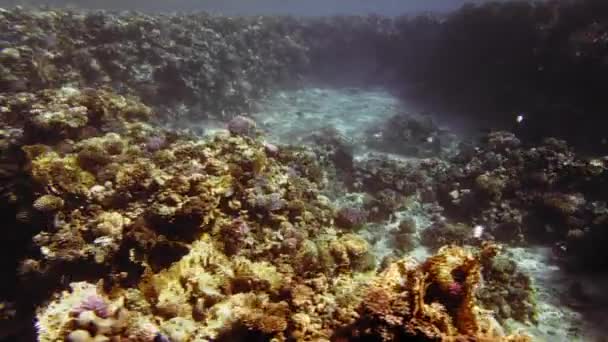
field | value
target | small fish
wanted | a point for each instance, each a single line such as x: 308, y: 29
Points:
x: 478, y: 231
x: 519, y: 118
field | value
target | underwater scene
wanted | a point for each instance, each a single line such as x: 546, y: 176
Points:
x: 304, y: 171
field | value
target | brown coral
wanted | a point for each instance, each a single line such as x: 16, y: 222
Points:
x: 270, y: 319
x: 61, y: 173
x: 410, y: 300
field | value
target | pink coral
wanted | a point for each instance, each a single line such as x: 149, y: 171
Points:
x: 455, y: 289
x: 155, y: 143
x: 94, y: 303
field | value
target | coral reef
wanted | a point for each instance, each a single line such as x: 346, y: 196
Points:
x: 543, y: 193
x: 215, y: 66
x: 535, y: 78
x: 164, y: 235
x: 202, y: 298
x: 507, y: 291
x: 207, y: 239
x: 201, y: 64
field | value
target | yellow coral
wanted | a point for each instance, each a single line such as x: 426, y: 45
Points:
x: 179, y: 329
x: 63, y: 174
x: 107, y: 106
x: 358, y: 249
x: 57, y: 320
x: 271, y: 319
x: 222, y: 316
x: 59, y: 117
x: 134, y: 177
x: 110, y: 223
x: 260, y: 272
x: 441, y: 267
x: 48, y: 203
x: 399, y: 302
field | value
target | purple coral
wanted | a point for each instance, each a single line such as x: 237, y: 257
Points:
x: 270, y: 202
x: 275, y: 202
x: 93, y: 303
x: 242, y: 125
x: 160, y: 337
x: 155, y: 143
x: 271, y: 149
x: 455, y: 289
x: 242, y: 228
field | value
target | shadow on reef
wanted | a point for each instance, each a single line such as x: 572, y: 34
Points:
x: 543, y: 60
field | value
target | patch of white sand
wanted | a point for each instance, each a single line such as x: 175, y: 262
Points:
x: 290, y: 116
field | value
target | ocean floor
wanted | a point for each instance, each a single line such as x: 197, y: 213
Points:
x: 290, y: 116
x: 571, y: 307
